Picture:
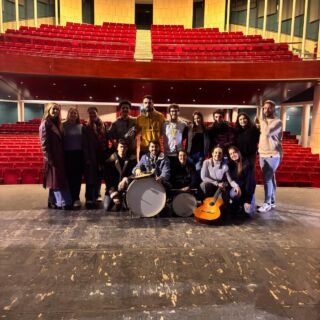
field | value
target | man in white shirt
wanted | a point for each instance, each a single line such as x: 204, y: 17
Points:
x: 270, y: 152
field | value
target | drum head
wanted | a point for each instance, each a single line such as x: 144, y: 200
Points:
x: 146, y: 197
x: 184, y: 204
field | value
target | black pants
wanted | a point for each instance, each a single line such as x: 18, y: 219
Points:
x: 74, y: 172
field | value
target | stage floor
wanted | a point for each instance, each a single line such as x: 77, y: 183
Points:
x: 97, y: 265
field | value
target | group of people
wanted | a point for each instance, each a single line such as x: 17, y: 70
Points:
x: 195, y: 158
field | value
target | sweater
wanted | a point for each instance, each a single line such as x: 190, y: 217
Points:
x: 270, y: 138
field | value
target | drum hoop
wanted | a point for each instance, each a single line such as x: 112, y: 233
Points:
x: 162, y: 189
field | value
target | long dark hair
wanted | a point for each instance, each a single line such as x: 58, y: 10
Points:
x: 239, y: 163
x: 199, y: 114
x: 237, y: 125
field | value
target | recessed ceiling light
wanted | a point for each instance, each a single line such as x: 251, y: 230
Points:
x: 200, y: 88
x: 229, y: 89
x: 142, y: 87
x: 258, y: 89
x: 84, y: 84
x: 117, y: 98
x: 194, y: 100
x: 168, y: 100
x: 37, y: 97
x: 171, y: 88
x: 114, y: 86
x: 53, y: 83
x: 243, y: 102
x: 9, y: 96
x: 90, y: 98
x: 21, y: 82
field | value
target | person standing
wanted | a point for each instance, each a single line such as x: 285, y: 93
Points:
x: 51, y: 139
x: 270, y: 152
x: 246, y: 138
x: 174, y: 132
x: 197, y: 142
x: 220, y: 133
x: 149, y: 126
x: 95, y: 153
x: 73, y: 153
x: 124, y: 128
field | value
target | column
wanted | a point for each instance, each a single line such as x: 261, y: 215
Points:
x: 315, y: 128
x: 20, y: 109
x: 235, y: 112
x: 265, y: 18
x: 283, y: 116
x: 280, y: 20
x: 56, y: 12
x: 305, y: 16
x: 305, y: 124
x: 17, y: 14
x: 318, y: 47
x: 293, y: 19
x: 227, y: 115
x: 228, y: 16
x: 248, y: 17
x: 1, y: 18
x: 35, y: 12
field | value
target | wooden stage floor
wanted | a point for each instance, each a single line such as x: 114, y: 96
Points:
x: 97, y: 265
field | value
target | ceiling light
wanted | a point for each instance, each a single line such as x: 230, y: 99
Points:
x: 9, y: 96
x: 243, y: 102
x: 21, y: 82
x: 168, y: 100
x: 53, y: 83
x: 229, y: 89
x: 90, y: 98
x: 114, y: 86
x: 194, y: 100
x: 84, y: 84
x: 117, y: 98
x: 200, y: 88
x: 171, y: 88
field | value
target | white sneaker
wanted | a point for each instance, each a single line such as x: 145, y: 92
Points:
x: 265, y: 207
x: 273, y: 205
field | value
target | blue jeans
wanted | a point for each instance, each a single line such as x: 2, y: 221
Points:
x: 269, y: 166
x: 62, y: 197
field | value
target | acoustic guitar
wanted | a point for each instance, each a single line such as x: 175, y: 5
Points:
x: 210, y: 208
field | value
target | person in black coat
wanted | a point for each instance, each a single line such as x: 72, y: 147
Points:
x: 117, y: 172
x: 197, y: 143
x: 246, y: 137
x: 242, y: 172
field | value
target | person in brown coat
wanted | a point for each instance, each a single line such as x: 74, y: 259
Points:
x: 51, y: 139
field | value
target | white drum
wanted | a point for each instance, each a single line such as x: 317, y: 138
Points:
x: 146, y: 197
x: 184, y: 204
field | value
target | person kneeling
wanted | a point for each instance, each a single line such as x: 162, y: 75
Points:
x: 242, y: 172
x: 154, y: 161
x: 118, y: 170
x: 215, y: 175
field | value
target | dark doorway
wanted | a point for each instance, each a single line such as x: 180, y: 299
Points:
x: 198, y: 14
x: 88, y: 11
x: 144, y: 13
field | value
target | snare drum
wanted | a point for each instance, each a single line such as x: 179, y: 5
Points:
x: 184, y: 204
x: 146, y: 197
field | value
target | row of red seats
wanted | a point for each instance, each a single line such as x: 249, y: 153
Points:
x: 39, y: 43
x: 20, y: 175
x: 210, y: 41
x: 71, y: 36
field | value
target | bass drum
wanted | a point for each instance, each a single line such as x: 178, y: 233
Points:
x: 184, y: 204
x: 146, y: 197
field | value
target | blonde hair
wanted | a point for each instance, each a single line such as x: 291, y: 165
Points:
x: 68, y: 115
x: 48, y: 107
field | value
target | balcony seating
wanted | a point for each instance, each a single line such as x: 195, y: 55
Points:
x: 114, y: 42
x: 174, y: 43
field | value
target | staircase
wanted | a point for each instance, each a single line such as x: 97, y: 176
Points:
x: 143, y: 50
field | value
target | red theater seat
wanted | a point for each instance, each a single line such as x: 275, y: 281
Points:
x: 11, y: 176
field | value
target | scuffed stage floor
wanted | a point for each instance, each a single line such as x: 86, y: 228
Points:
x: 93, y: 265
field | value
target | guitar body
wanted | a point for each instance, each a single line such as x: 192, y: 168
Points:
x: 209, y: 210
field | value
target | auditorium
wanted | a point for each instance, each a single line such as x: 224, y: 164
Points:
x: 159, y: 159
